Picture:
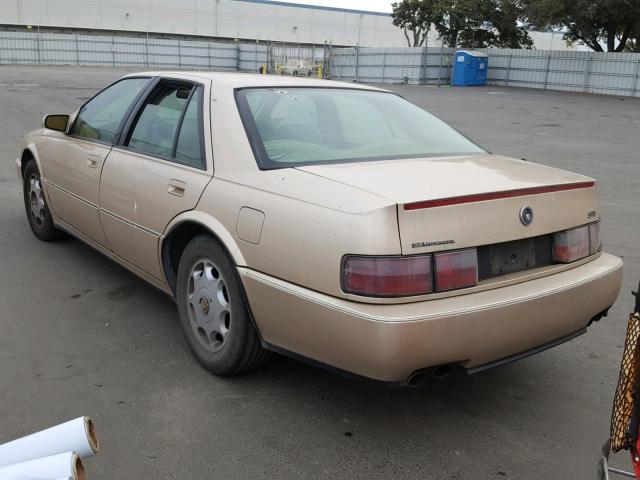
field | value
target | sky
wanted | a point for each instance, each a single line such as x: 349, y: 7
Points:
x: 371, y: 5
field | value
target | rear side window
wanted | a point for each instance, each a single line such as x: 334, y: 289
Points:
x: 169, y: 125
x: 189, y: 145
x: 100, y: 118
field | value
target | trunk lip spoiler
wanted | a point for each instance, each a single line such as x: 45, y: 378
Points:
x: 482, y: 197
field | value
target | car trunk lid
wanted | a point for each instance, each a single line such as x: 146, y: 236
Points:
x: 457, y: 202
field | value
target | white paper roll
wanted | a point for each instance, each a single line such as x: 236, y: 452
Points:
x: 77, y: 436
x: 20, y: 477
x: 63, y: 465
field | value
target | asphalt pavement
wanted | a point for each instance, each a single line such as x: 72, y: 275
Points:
x: 81, y: 335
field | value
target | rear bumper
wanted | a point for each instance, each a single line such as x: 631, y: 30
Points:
x: 390, y: 342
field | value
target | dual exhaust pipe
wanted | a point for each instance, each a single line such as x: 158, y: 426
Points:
x: 419, y: 377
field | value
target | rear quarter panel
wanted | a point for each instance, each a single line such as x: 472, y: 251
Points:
x: 309, y: 224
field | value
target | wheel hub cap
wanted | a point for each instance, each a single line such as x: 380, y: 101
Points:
x: 36, y: 200
x: 208, y: 305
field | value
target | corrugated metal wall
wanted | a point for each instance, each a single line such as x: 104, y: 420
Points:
x: 391, y: 65
x: 70, y: 49
x: 589, y: 72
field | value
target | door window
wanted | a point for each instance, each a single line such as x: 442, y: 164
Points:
x: 100, y: 118
x: 170, y: 125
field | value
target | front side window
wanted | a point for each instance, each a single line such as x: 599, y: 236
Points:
x: 169, y: 125
x: 100, y: 118
x: 307, y: 126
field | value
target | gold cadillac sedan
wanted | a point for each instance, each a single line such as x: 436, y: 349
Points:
x: 336, y: 223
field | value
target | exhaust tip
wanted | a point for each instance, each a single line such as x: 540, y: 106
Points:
x: 418, y: 378
x: 442, y: 371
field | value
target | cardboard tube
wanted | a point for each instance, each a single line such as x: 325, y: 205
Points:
x: 63, y: 465
x: 77, y: 436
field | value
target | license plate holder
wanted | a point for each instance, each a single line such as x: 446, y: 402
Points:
x: 513, y: 256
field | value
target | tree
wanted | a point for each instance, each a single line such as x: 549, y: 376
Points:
x: 482, y: 23
x: 599, y: 24
x: 415, y: 16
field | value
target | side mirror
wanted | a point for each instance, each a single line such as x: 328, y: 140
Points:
x: 56, y: 122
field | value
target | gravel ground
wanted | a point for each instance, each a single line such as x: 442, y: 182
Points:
x: 80, y: 335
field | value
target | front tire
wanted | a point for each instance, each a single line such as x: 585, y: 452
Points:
x: 213, y: 311
x: 35, y: 205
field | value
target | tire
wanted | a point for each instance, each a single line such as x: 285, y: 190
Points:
x: 36, y: 207
x: 213, y: 311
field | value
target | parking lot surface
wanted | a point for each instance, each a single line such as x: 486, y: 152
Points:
x: 80, y: 335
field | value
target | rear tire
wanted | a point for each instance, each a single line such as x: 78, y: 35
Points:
x: 213, y: 311
x: 36, y: 207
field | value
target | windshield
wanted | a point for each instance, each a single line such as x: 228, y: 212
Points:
x: 307, y: 126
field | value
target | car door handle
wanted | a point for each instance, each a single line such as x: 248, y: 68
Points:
x: 177, y: 188
x: 92, y: 161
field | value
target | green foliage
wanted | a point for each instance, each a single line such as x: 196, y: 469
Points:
x: 416, y: 17
x: 464, y: 23
x: 483, y: 23
x: 599, y: 24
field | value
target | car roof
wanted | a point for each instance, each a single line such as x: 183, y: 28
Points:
x: 244, y: 80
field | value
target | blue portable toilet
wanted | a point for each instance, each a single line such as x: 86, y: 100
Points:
x: 470, y: 68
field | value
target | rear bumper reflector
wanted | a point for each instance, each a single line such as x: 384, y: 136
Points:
x: 481, y: 197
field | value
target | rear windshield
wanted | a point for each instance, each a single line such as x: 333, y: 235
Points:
x: 307, y: 126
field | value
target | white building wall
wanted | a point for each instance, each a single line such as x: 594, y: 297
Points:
x: 247, y: 19
x: 218, y: 18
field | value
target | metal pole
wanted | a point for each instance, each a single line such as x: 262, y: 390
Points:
x: 546, y: 73
x: 440, y: 64
x: 77, y: 52
x: 209, y: 54
x: 237, y: 57
x: 179, y: 53
x: 586, y: 74
x: 38, y: 43
x: 113, y: 51
x: 508, y: 70
x: 146, y: 50
x: 357, y: 60
x: 384, y: 64
x: 635, y: 78
x: 425, y: 58
x: 324, y: 60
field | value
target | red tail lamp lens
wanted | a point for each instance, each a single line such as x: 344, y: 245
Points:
x: 456, y: 269
x: 594, y: 238
x: 387, y: 276
x: 571, y: 245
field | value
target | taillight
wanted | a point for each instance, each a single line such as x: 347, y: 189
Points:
x: 571, y: 245
x: 458, y: 269
x: 594, y: 238
x: 387, y: 276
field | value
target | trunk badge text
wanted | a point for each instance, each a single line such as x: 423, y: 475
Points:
x: 526, y: 215
x: 431, y: 244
